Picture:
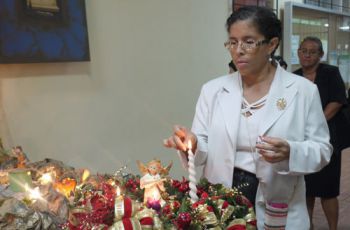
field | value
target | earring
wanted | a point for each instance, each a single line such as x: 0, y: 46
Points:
x: 269, y: 57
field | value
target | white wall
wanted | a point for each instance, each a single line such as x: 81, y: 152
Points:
x: 148, y: 61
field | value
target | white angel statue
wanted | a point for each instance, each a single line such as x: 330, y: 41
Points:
x: 152, y: 180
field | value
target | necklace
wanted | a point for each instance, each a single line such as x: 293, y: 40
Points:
x: 247, y: 111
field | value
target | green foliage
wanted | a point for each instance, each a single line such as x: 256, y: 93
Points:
x: 185, y: 205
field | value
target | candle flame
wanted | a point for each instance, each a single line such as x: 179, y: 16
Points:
x: 34, y: 194
x: 189, y: 145
x: 46, y: 178
x: 118, y: 191
x: 66, y: 186
x: 85, y: 175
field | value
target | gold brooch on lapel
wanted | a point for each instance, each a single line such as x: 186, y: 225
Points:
x: 281, y: 103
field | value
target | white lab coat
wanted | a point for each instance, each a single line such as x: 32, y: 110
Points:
x: 301, y: 123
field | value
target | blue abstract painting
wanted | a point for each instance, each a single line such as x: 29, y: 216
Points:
x: 43, y: 31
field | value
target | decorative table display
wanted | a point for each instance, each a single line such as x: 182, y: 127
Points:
x: 61, y: 197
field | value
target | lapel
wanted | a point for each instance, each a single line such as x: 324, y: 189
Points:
x: 230, y: 99
x: 282, y: 88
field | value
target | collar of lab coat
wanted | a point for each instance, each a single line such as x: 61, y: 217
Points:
x: 230, y: 100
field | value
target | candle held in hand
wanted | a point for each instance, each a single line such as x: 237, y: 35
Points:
x: 192, y: 174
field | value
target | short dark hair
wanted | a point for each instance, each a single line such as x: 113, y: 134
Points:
x: 263, y: 18
x: 280, y: 60
x: 313, y: 39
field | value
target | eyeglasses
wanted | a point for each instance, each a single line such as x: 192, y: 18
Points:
x: 248, y: 45
x: 311, y: 53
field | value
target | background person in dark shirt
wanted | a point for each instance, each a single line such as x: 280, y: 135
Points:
x: 325, y: 183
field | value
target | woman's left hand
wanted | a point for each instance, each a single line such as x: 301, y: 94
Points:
x: 273, y: 149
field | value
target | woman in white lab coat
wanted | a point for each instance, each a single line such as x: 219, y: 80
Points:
x: 260, y: 125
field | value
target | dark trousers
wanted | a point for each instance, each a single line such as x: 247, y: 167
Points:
x: 245, y: 182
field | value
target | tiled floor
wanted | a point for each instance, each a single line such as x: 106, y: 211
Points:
x: 320, y: 222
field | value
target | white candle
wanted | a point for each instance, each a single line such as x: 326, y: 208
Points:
x: 192, y: 174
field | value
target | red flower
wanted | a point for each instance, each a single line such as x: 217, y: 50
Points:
x: 184, y: 187
x: 176, y: 183
x: 132, y: 183
x: 183, y: 220
x: 210, y: 208
x: 200, y: 191
x: 176, y: 205
x: 166, y: 210
x: 204, y: 195
x: 196, y: 204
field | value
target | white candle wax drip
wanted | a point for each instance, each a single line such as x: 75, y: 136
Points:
x: 192, y: 174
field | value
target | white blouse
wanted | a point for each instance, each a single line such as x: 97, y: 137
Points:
x: 251, y: 114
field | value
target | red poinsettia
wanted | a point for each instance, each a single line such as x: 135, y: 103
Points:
x: 183, y: 220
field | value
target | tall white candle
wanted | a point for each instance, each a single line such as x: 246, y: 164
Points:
x: 192, y: 174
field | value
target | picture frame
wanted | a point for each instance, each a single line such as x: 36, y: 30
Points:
x: 33, y: 31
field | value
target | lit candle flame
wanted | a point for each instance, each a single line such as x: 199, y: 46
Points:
x: 85, y: 175
x: 46, y: 178
x: 66, y: 186
x: 111, y: 182
x: 118, y: 191
x: 34, y: 194
x: 189, y: 145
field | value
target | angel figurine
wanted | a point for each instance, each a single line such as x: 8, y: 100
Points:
x: 152, y: 180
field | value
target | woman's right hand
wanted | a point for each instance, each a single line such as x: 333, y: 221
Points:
x: 180, y: 138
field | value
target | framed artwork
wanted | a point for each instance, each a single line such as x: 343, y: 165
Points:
x: 43, y: 31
